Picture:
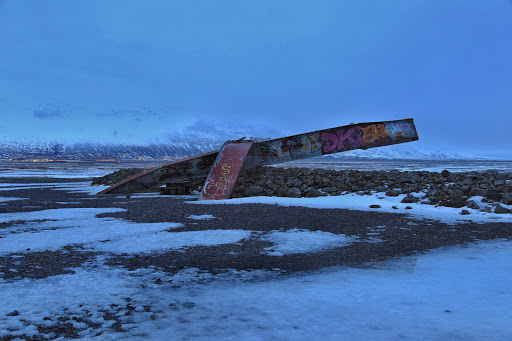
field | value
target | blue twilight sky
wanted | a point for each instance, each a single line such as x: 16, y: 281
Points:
x: 122, y: 70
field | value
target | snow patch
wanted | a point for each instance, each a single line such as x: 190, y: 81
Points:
x: 201, y: 217
x: 5, y: 199
x: 295, y: 241
x: 165, y: 240
x: 352, y: 201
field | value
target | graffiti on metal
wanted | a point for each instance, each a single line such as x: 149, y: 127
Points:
x: 287, y: 149
x: 334, y: 140
x: 227, y: 166
x: 321, y: 142
x: 341, y: 140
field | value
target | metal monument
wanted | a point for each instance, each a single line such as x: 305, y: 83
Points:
x: 221, y: 168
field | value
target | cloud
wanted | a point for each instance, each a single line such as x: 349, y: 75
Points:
x: 50, y: 112
x: 134, y: 114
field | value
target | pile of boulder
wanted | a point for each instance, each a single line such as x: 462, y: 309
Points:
x: 429, y: 188
x: 443, y: 189
x: 115, y: 177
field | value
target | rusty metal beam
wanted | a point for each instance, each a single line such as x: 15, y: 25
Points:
x: 301, y: 146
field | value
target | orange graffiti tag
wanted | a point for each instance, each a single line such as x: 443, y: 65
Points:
x: 223, y: 178
x: 374, y: 132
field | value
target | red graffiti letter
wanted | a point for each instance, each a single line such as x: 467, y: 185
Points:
x: 352, y: 136
x: 330, y: 142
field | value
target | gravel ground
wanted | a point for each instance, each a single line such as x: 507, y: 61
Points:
x: 400, y: 234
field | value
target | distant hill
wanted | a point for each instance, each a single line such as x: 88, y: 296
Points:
x: 198, y: 138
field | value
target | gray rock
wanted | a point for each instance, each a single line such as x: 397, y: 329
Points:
x: 501, y: 210
x: 445, y: 173
x: 453, y: 203
x: 494, y: 196
x: 393, y: 193
x: 283, y: 191
x: 381, y: 189
x: 409, y: 199
x: 374, y: 206
x: 253, y: 191
x: 465, y: 212
x: 480, y: 192
x: 472, y: 204
x: 506, y: 199
x: 456, y: 193
x: 499, y: 183
x: 313, y: 193
x: 294, y: 193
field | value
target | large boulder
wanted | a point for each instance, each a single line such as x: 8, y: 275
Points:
x: 409, y: 199
x: 445, y: 173
x: 477, y: 192
x: 507, y: 199
x: 312, y: 193
x: 393, y: 193
x: 294, y: 192
x: 501, y: 210
x: 254, y: 191
x: 472, y: 204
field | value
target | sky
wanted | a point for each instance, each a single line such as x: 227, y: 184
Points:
x: 129, y: 71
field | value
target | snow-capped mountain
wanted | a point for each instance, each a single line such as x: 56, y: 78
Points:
x: 201, y: 137
x: 403, y: 152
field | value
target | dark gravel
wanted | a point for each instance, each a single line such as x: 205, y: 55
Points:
x: 416, y: 235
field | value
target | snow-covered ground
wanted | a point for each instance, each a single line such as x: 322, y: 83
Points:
x: 353, y: 201
x: 456, y: 293
x: 71, y: 187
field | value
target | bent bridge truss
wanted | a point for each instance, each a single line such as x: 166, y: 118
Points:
x: 221, y: 168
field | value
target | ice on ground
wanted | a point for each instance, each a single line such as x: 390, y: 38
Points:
x: 56, y: 228
x: 354, y: 201
x: 58, y: 172
x: 201, y: 217
x: 155, y: 195
x: 295, y: 241
x: 5, y: 199
x: 81, y: 187
x: 58, y: 214
x: 165, y: 240
x: 72, y: 187
x: 458, y: 293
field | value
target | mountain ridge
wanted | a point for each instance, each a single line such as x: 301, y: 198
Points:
x: 198, y: 138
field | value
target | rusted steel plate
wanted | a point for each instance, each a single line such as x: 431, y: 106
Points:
x: 334, y: 140
x: 225, y: 170
x: 193, y: 167
x: 321, y: 142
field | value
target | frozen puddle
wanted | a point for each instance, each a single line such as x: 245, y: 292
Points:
x: 459, y: 293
